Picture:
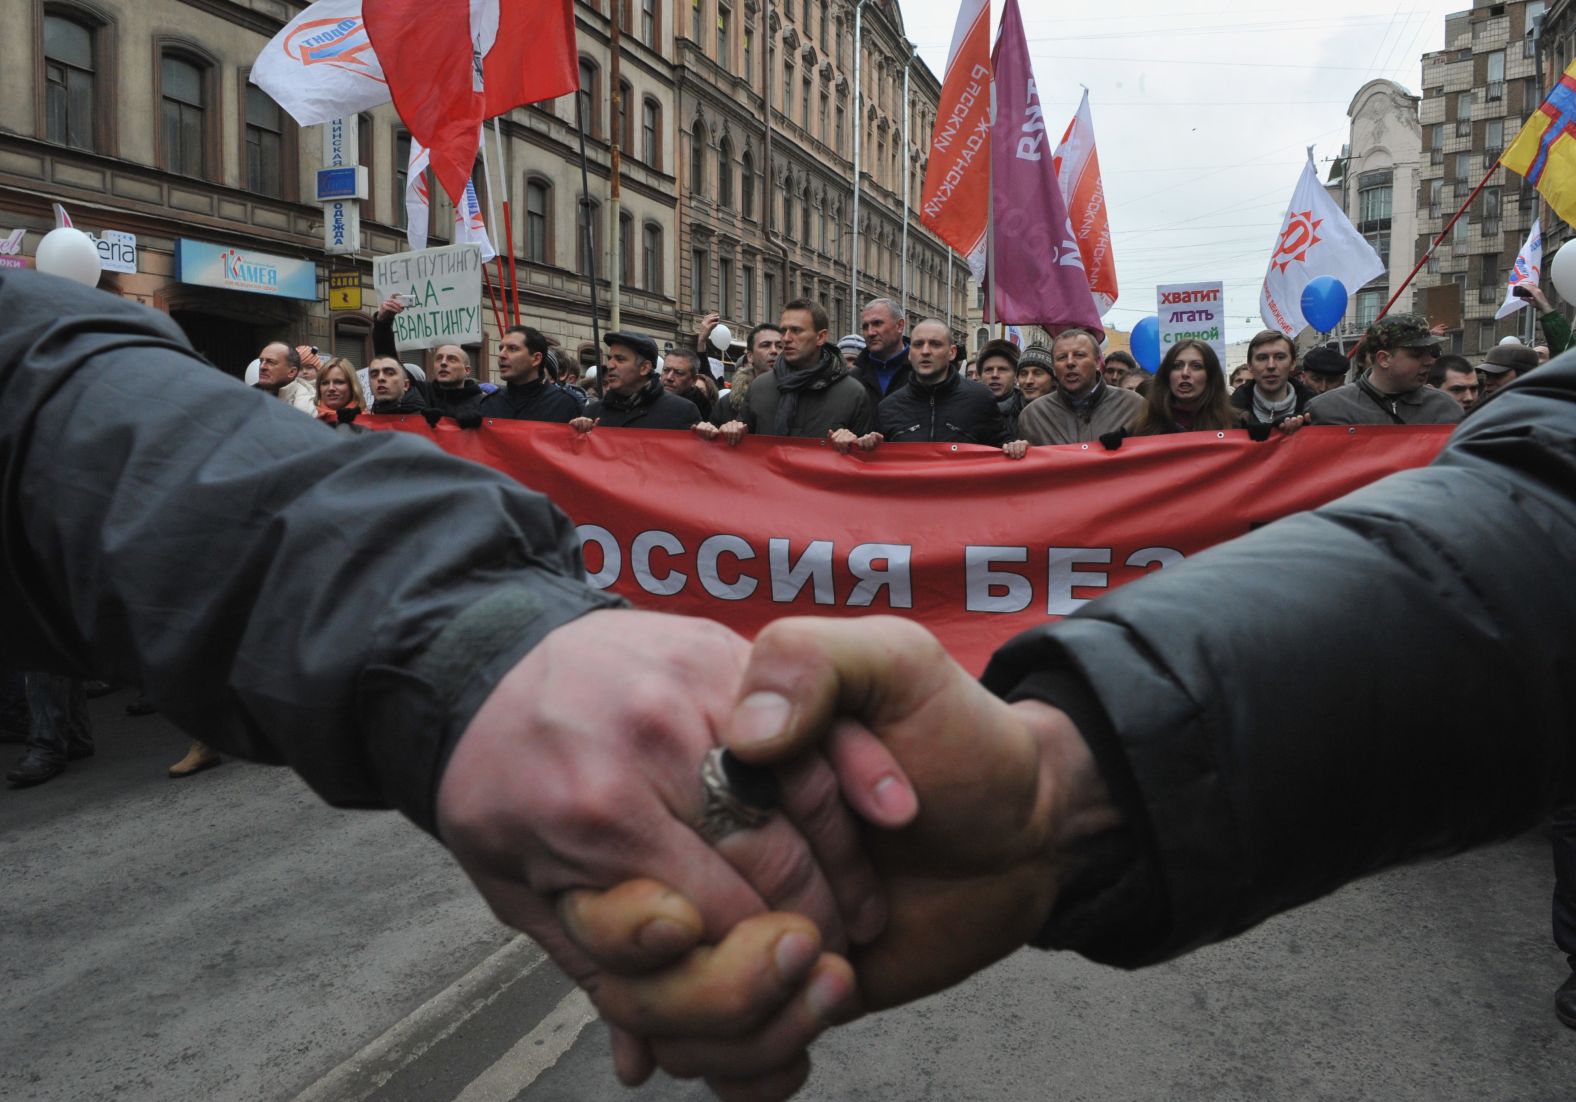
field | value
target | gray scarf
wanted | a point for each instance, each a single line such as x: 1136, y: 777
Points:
x: 1269, y: 412
x: 792, y: 380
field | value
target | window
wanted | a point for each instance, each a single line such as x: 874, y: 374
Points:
x: 589, y: 213
x: 1486, y: 336
x: 1373, y: 197
x: 586, y: 100
x: 724, y: 16
x: 824, y: 43
x: 364, y: 156
x: 1488, y: 270
x: 538, y: 217
x: 626, y: 137
x: 1463, y: 170
x: 825, y: 131
x: 1463, y: 105
x: 804, y: 215
x: 648, y: 22
x: 842, y: 119
x: 698, y: 158
x: 804, y: 19
x: 264, y: 143
x: 183, y: 95
x: 651, y: 257
x: 769, y: 293
x: 69, y: 82
x: 1436, y: 190
x: 700, y: 273
x: 787, y: 211
x: 837, y: 230
x: 804, y: 111
x: 1493, y: 137
x: 725, y: 287
x: 1458, y: 236
x: 747, y: 301
x: 1495, y: 87
x: 725, y: 174
x: 626, y: 249
x: 1368, y: 304
x: 651, y: 134
x: 747, y: 185
x: 825, y: 250
x: 749, y: 54
x: 841, y: 42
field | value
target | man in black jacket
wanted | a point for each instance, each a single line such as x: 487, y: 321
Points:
x: 938, y: 405
x: 633, y: 396
x: 392, y: 390
x: 454, y: 393
x: 527, y: 394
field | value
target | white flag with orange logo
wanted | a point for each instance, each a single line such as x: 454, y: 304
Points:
x: 955, y: 201
x: 1078, y: 172
x: 1316, y: 239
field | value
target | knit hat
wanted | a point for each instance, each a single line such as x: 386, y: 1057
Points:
x: 1037, y: 355
x: 852, y: 343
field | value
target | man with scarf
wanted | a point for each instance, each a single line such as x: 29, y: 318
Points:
x: 633, y: 396
x: 1272, y: 395
x: 1083, y: 407
x: 1394, y: 390
x: 808, y: 392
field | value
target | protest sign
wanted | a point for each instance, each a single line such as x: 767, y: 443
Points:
x: 779, y: 527
x: 1192, y: 311
x: 442, y: 292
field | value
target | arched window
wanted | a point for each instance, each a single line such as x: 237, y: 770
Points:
x: 825, y: 244
x: 725, y: 174
x: 587, y: 99
x: 651, y: 257
x: 73, y: 48
x: 787, y: 194
x: 837, y: 230
x: 747, y: 185
x: 651, y: 133
x: 626, y: 136
x: 626, y: 249
x: 185, y: 93
x: 804, y: 216
x: 698, y: 158
x: 590, y: 213
x: 538, y: 221
x: 264, y: 151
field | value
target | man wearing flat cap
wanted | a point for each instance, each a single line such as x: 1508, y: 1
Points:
x: 633, y: 396
x: 1504, y: 365
x: 1324, y: 369
x: 1394, y: 390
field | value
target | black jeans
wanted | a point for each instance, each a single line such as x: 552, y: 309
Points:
x: 58, y: 709
x: 1562, y: 831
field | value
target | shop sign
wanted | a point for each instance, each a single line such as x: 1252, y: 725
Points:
x: 235, y: 269
x: 344, y: 290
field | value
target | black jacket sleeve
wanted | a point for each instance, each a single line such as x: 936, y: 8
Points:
x: 383, y: 335
x: 338, y: 603
x: 1253, y: 782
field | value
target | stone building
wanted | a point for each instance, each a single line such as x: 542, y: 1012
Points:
x: 1477, y: 92
x: 137, y: 116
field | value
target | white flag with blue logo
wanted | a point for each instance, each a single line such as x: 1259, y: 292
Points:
x: 321, y: 66
x: 1527, y: 271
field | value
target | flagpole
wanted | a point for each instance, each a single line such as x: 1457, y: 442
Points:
x: 590, y: 232
x: 1430, y: 250
x: 508, y: 223
x: 492, y: 204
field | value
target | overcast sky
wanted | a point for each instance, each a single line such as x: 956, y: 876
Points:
x: 1202, y: 111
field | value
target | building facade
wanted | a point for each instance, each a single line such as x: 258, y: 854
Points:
x: 1477, y: 91
x: 138, y: 117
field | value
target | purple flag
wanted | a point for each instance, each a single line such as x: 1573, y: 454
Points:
x: 1039, y: 274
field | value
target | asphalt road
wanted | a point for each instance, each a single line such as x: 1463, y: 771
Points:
x: 227, y: 937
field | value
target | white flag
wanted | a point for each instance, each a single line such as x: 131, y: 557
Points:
x: 418, y: 196
x: 1528, y: 270
x: 469, y: 229
x: 1316, y: 239
x: 321, y: 66
x: 62, y: 219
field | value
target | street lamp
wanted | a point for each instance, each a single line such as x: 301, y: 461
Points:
x: 907, y: 173
x: 859, y: 128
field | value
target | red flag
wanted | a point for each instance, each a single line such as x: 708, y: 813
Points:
x: 429, y: 50
x: 955, y: 201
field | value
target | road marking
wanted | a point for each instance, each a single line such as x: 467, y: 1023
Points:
x: 534, y: 1053
x: 407, y: 1040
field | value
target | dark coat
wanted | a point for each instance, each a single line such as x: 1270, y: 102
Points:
x: 865, y: 372
x: 457, y: 401
x: 652, y: 407
x: 835, y: 401
x: 954, y: 410
x: 1010, y: 407
x: 538, y: 400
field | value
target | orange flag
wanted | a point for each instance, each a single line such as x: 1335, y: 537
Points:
x: 955, y: 201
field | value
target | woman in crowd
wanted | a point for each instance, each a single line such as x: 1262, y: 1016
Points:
x: 338, y: 388
x: 1188, y: 394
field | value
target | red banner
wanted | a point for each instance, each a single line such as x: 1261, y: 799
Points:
x: 974, y: 545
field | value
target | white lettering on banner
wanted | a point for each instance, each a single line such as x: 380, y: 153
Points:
x: 894, y: 575
x: 1062, y: 577
x: 742, y: 585
x: 788, y: 579
x: 982, y: 584
x: 640, y: 562
x: 1034, y: 126
x: 612, y: 557
x: 1155, y: 556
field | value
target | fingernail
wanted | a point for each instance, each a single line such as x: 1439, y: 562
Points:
x: 759, y: 717
x: 665, y: 937
x: 794, y: 954
x: 895, y: 798
x: 826, y: 996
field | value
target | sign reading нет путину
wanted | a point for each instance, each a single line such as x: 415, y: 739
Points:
x: 441, y: 290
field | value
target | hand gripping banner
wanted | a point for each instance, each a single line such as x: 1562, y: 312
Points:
x: 975, y: 546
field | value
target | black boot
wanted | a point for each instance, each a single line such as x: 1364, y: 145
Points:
x: 1565, y: 1002
x: 34, y: 767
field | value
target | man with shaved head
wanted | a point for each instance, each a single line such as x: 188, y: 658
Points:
x: 937, y: 405
x: 454, y: 391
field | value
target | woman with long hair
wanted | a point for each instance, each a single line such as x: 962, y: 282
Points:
x: 338, y: 387
x: 1188, y: 393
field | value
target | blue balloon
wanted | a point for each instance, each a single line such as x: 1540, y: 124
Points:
x: 1146, y: 344
x: 1324, y: 303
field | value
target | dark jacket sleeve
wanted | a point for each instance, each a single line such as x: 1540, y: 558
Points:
x: 383, y: 335
x: 986, y: 424
x: 1253, y: 782
x: 862, y: 417
x: 338, y: 603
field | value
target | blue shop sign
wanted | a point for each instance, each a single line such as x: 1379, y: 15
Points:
x: 237, y: 269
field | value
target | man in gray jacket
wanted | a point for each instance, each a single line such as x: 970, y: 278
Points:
x: 1394, y: 390
x: 1084, y: 406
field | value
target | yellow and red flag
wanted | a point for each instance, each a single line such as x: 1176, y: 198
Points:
x: 1544, y: 152
x: 955, y: 201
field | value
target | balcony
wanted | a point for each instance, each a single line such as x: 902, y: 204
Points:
x: 1436, y: 156
x: 1488, y: 296
x: 1494, y: 89
x: 1490, y: 158
x: 1463, y: 128
x: 1490, y: 227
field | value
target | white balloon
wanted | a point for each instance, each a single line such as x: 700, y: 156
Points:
x: 252, y: 371
x: 69, y: 253
x: 1563, y: 271
x: 721, y: 338
x: 1510, y: 340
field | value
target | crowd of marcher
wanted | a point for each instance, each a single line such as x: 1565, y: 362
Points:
x: 888, y: 384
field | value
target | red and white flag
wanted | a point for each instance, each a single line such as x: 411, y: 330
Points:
x: 62, y: 219
x: 469, y: 228
x: 452, y: 63
x: 1078, y: 171
x: 955, y: 200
